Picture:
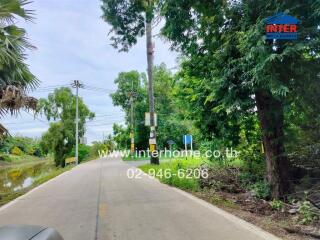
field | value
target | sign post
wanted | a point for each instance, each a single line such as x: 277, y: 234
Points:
x: 170, y: 142
x: 187, y: 139
x: 191, y: 147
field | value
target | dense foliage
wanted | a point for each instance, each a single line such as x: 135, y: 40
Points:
x: 26, y: 145
x: 60, y: 106
x: 235, y: 88
x: 236, y: 75
x: 170, y: 127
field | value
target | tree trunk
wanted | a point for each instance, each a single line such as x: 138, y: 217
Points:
x: 153, y: 136
x: 271, y: 117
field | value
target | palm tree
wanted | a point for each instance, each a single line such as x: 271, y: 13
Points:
x: 15, y: 76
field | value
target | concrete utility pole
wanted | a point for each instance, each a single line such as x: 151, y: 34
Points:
x: 76, y: 84
x: 150, y: 56
x: 131, y: 95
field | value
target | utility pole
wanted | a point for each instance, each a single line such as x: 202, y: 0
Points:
x: 76, y: 84
x: 132, y: 93
x: 150, y: 55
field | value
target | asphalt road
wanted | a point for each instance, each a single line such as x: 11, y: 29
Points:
x: 97, y: 200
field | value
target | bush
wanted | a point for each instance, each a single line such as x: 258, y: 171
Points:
x: 37, y: 152
x: 214, y: 145
x: 260, y: 190
x: 96, y: 147
x: 276, y: 205
x: 84, y: 152
x: 26, y: 145
x: 221, y: 178
x: 246, y: 179
x: 16, y: 151
x: 30, y: 151
x: 253, y: 161
x: 307, y: 215
x: 5, y: 158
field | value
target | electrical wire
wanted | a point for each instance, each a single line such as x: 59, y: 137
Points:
x: 93, y: 88
x: 36, y: 118
x: 49, y: 88
x: 100, y: 125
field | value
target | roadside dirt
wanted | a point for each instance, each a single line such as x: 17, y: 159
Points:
x: 260, y: 214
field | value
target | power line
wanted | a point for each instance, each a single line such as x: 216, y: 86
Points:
x: 100, y: 125
x: 35, y: 117
x: 104, y: 115
x: 104, y: 121
x: 49, y: 88
x: 54, y: 86
x: 17, y: 123
x: 93, y: 88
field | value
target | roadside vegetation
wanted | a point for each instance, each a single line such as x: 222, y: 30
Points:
x: 230, y: 187
x: 60, y: 106
x: 15, y: 75
x: 7, y: 196
x: 175, y: 173
x: 24, y: 164
x: 15, y: 150
x: 232, y: 88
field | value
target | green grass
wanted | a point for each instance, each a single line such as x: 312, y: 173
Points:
x: 173, y: 167
x: 52, y: 174
x: 221, y: 202
x: 9, y: 197
x: 13, y: 160
x: 135, y: 158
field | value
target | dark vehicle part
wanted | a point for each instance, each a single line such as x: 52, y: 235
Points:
x: 25, y: 232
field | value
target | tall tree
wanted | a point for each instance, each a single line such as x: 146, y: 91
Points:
x: 128, y: 83
x: 15, y: 77
x: 61, y: 107
x: 225, y: 46
x: 171, y: 125
x: 130, y: 20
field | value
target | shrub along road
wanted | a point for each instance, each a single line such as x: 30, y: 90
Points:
x: 97, y: 200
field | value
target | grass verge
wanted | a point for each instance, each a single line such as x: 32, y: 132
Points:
x: 174, y: 173
x: 15, y: 161
x: 135, y: 158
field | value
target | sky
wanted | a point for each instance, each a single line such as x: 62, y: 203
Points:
x: 72, y: 43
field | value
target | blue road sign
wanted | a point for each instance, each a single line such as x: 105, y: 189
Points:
x: 187, y: 139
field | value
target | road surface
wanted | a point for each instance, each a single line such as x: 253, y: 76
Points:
x: 97, y: 200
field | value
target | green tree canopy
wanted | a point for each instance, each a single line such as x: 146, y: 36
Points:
x: 171, y: 125
x: 239, y: 71
x: 60, y: 106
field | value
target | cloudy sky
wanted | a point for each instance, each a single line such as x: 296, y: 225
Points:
x: 72, y: 43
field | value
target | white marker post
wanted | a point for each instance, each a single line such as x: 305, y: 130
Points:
x: 185, y: 145
x: 191, y: 146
